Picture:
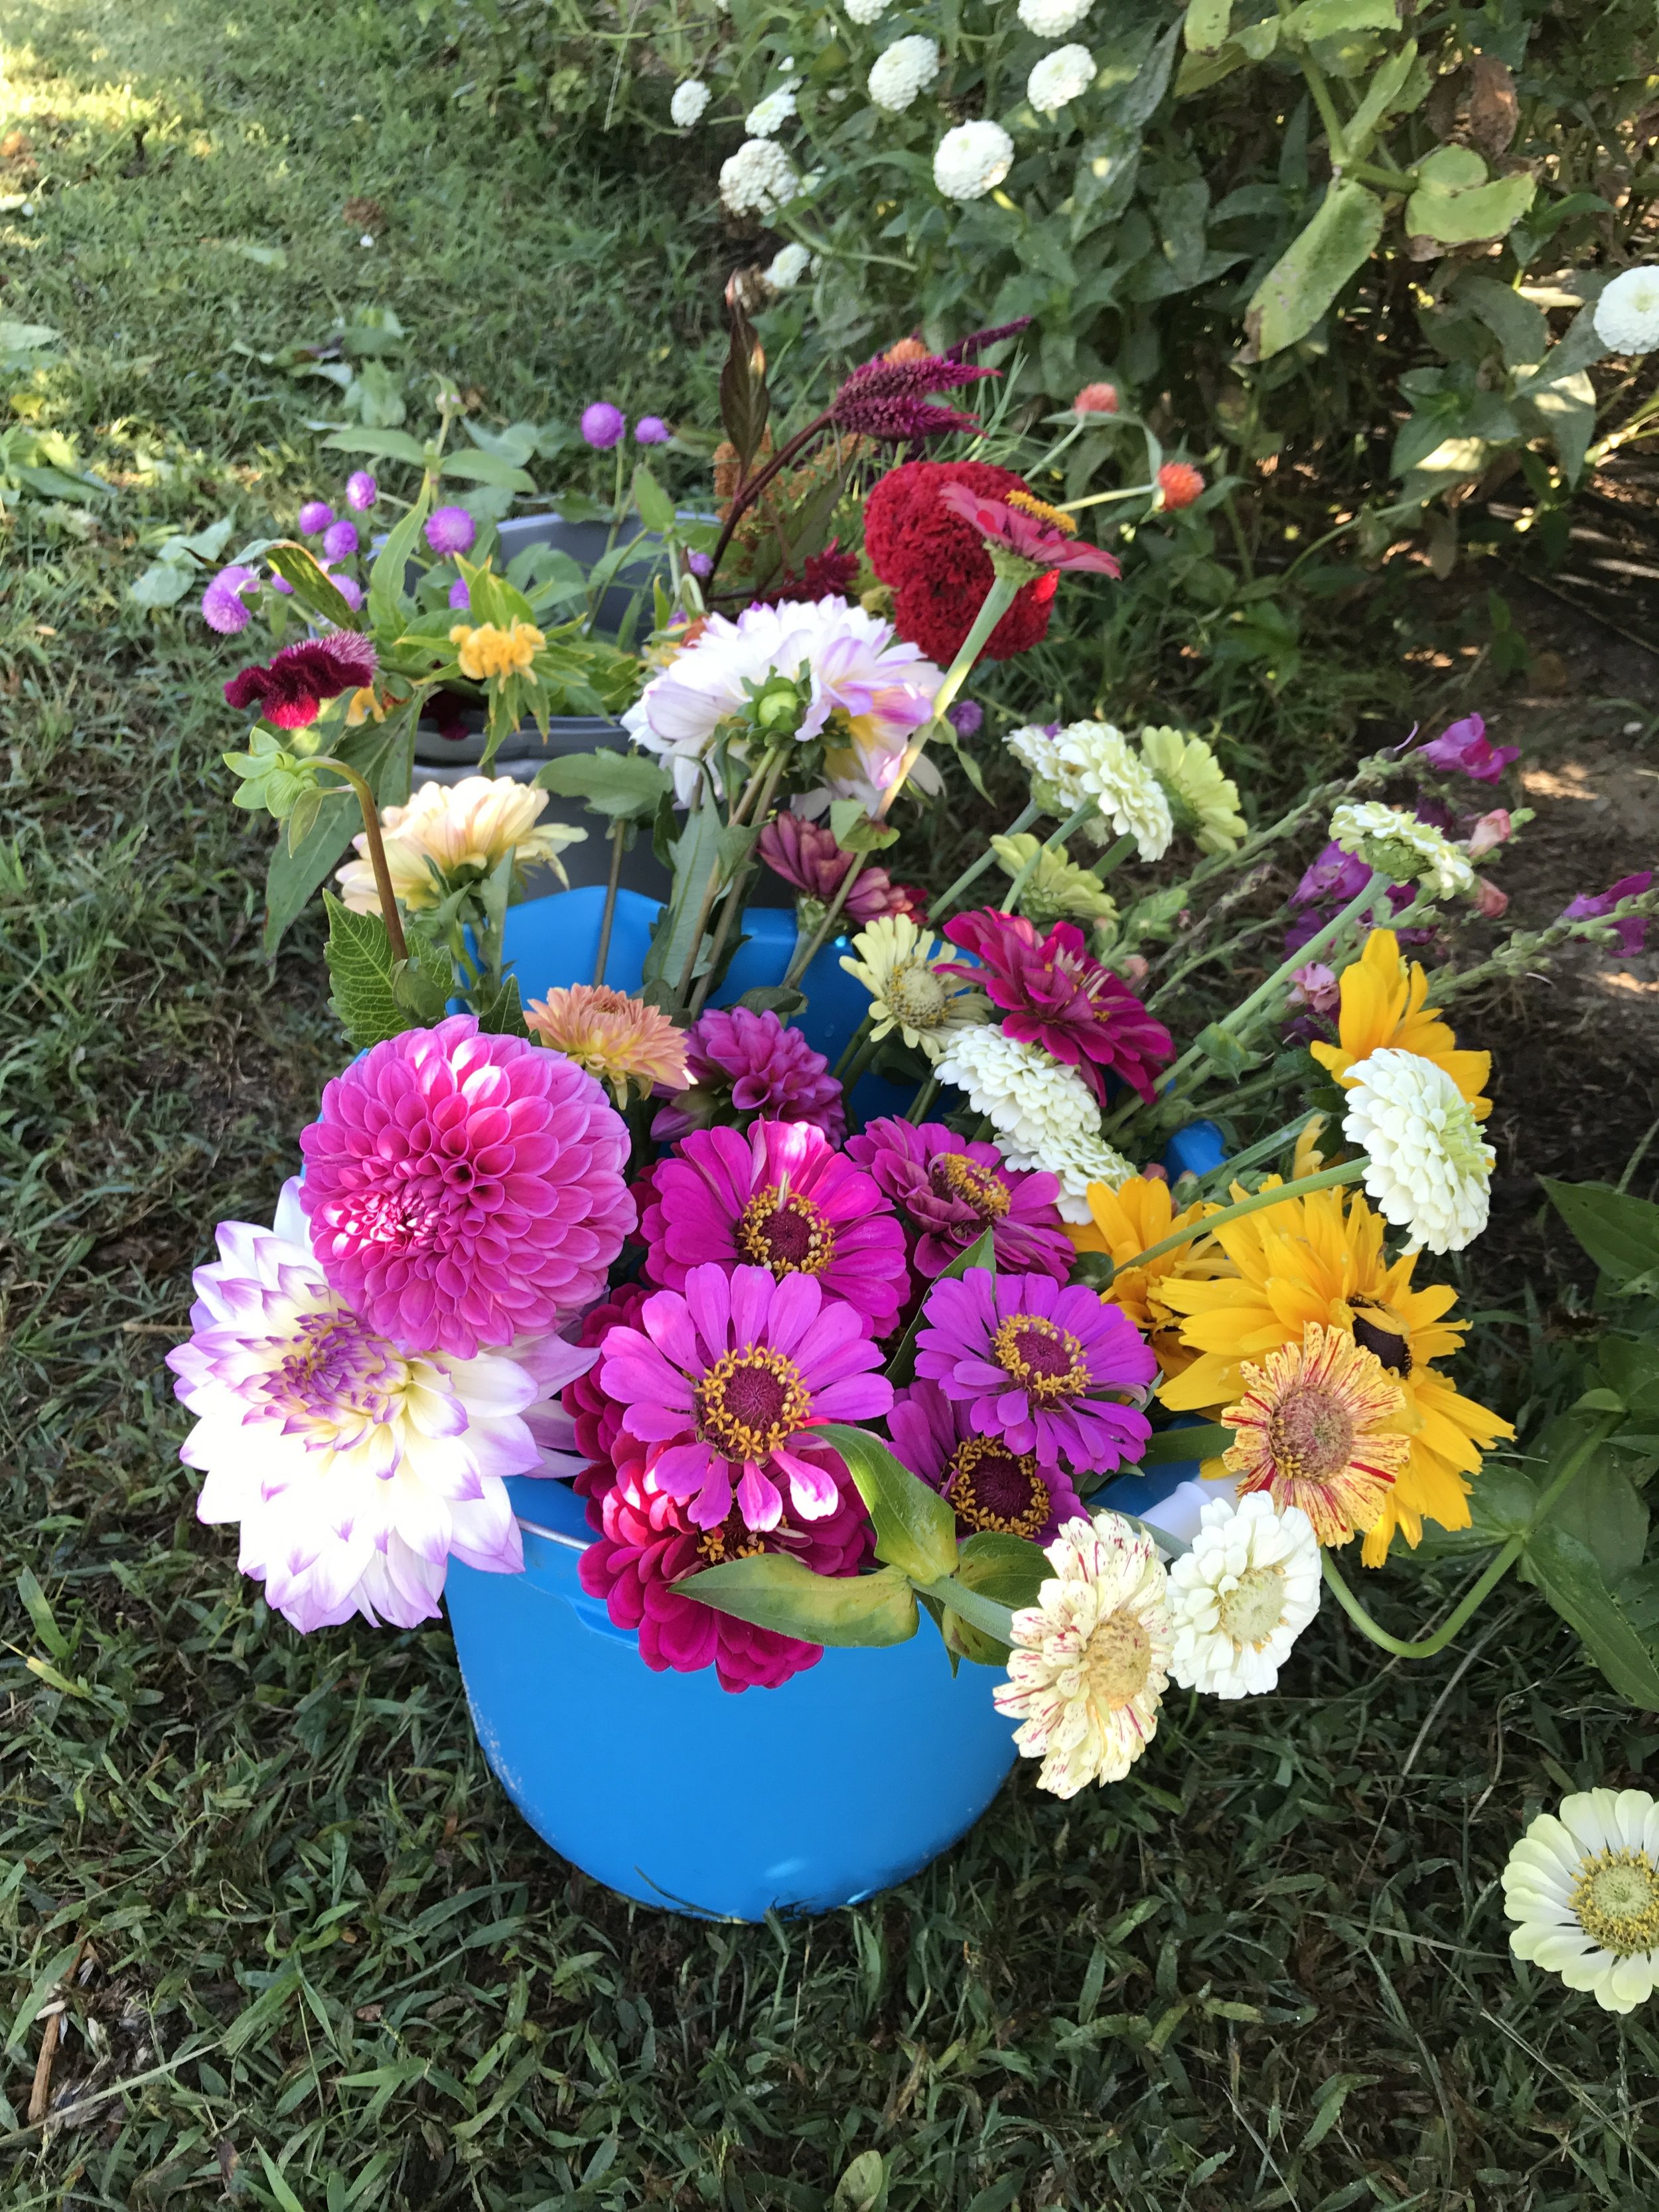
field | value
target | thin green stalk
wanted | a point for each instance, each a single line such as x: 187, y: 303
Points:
x: 732, y: 905
x: 1327, y: 1179
x: 618, y: 837
x: 712, y: 888
x: 947, y: 897
x: 855, y: 1045
x: 1100, y: 498
x: 926, y: 1094
x: 1074, y: 820
x: 1214, y: 952
x: 860, y: 1060
x: 1116, y: 855
x: 1263, y: 1149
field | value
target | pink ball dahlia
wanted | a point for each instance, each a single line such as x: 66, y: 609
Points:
x: 745, y: 1063
x: 992, y: 1487
x: 462, y: 1186
x: 1035, y: 1363
x: 779, y: 1198
x: 725, y: 1384
x: 949, y: 1192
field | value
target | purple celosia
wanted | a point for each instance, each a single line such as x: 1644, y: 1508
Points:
x: 362, y: 490
x: 450, y: 530
x: 1631, y: 929
x: 742, y: 1063
x: 806, y: 854
x: 1037, y: 1364
x: 889, y: 400
x: 315, y: 516
x: 995, y: 1490
x: 725, y: 1383
x: 463, y: 1187
x: 652, y: 430
x: 355, y: 1468
x: 603, y: 425
x: 978, y: 342
x: 223, y: 607
x: 1465, y: 749
x: 949, y: 1192
x: 340, y: 541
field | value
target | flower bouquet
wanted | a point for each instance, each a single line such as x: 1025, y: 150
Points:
x: 861, y: 1349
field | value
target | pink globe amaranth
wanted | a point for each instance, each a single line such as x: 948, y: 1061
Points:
x: 951, y: 1191
x: 462, y: 1187
x: 994, y: 1489
x: 781, y: 1198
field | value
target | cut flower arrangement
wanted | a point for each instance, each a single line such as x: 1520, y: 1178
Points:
x: 819, y: 1368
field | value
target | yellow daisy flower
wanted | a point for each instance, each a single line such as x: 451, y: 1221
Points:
x: 1384, y: 1004
x: 1321, y: 1258
x: 1132, y: 1218
x: 1312, y: 1429
x: 897, y: 966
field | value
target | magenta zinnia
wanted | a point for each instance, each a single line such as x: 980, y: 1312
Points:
x: 1028, y: 529
x: 994, y: 1489
x: 1036, y: 1365
x: 464, y: 1187
x: 741, y: 1064
x: 726, y: 1382
x: 779, y: 1198
x: 1053, y: 992
x: 951, y: 1191
x: 289, y: 690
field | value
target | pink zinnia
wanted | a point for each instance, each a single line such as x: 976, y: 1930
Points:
x: 724, y: 1384
x: 289, y: 690
x: 1035, y: 1364
x: 596, y: 1419
x: 1055, y: 994
x: 994, y: 1488
x: 462, y: 1187
x: 751, y: 1064
x: 950, y: 1191
x: 783, y: 1199
x: 1029, y: 528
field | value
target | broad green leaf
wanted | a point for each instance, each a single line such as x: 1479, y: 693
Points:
x: 1455, y: 204
x: 295, y: 876
x: 1503, y: 1502
x: 1313, y: 269
x: 1580, y: 346
x: 1390, y: 88
x: 1208, y: 1440
x: 25, y: 338
x: 1565, y: 409
x: 1520, y: 327
x: 362, y: 969
x: 298, y: 566
x: 1619, y: 1232
x: 774, y: 1590
x: 496, y: 1005
x: 39, y: 1608
x: 1332, y: 19
x: 915, y: 1527
x: 388, y: 445
x: 695, y: 852
x: 1568, y: 1573
x: 424, y: 983
x: 486, y: 469
x: 162, y: 585
x: 1204, y: 25
x: 1007, y: 1568
x: 1601, y: 1506
x: 982, y: 1253
x: 854, y: 830
x: 655, y: 507
x: 387, y: 597
x: 785, y: 1001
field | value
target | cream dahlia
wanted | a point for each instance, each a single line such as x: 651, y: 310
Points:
x: 451, y: 835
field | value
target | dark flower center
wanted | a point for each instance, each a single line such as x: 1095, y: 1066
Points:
x: 953, y: 1175
x: 1379, y: 1330
x: 784, y: 1232
x: 750, y: 1402
x: 1046, y: 1361
x: 992, y: 1487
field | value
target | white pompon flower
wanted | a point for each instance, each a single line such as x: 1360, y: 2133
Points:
x: 866, y: 11
x: 1078, y: 1161
x: 1092, y: 759
x: 758, y: 178
x: 1389, y: 838
x: 1429, y: 1169
x: 1627, y: 312
x: 786, y: 267
x: 354, y: 1469
x: 1059, y: 78
x: 767, y: 117
x: 691, y: 97
x: 1052, y: 19
x: 1242, y: 1595
x: 908, y: 67
x: 1090, y: 1659
x: 1044, y: 1114
x: 972, y: 159
x: 1583, y: 1885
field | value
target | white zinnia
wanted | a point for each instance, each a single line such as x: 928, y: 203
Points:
x: 1044, y: 1114
x: 767, y: 117
x: 1627, y: 312
x: 758, y: 178
x: 1090, y: 1659
x: 468, y: 826
x: 1402, y: 847
x: 1060, y: 78
x: 691, y: 97
x: 1092, y: 759
x: 907, y: 66
x: 787, y: 268
x: 866, y: 11
x: 1429, y: 1169
x: 1584, y: 1887
x: 1241, y: 1595
x: 1052, y: 19
x: 972, y: 159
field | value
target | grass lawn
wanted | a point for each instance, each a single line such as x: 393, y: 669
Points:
x: 317, y: 1961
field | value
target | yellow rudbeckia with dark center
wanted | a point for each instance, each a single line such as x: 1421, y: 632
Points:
x: 1321, y: 1258
x: 1385, y: 1003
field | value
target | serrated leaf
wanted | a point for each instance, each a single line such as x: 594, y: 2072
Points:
x: 915, y: 1528
x: 628, y: 786
x: 777, y: 1591
x: 854, y: 832
x: 362, y: 970
x: 497, y: 1008
x: 783, y: 1000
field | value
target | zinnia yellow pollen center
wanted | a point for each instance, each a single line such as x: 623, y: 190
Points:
x: 787, y: 1233
x: 1616, y: 1899
x: 962, y: 1178
x: 1044, y: 1360
x: 1250, y: 1611
x: 1310, y: 1435
x: 1117, y: 1661
x: 916, y: 996
x: 1029, y: 504
x: 731, y: 1539
x: 750, y: 1401
x: 994, y: 1488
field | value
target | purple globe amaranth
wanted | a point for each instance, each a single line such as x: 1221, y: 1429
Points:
x: 603, y: 425
x: 315, y: 516
x: 340, y: 541
x: 966, y: 718
x: 349, y: 588
x: 450, y: 530
x: 652, y: 430
x: 701, y: 565
x: 223, y: 606
x: 362, y: 490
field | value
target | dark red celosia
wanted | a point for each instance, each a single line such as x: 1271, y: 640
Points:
x: 974, y: 344
x: 805, y: 853
x: 889, y: 399
x: 1053, y: 992
x: 937, y: 564
x: 827, y: 576
x: 290, y: 689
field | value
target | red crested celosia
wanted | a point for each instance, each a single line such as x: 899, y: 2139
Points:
x: 464, y: 1187
x: 889, y: 399
x: 827, y: 576
x: 290, y: 689
x: 741, y: 1064
x: 949, y: 1192
x: 1028, y: 529
x: 937, y: 564
x: 1053, y: 992
x: 805, y: 853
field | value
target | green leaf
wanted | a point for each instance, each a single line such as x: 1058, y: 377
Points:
x: 695, y: 851
x: 1007, y: 1568
x: 854, y: 830
x: 1454, y: 204
x: 39, y: 1611
x: 387, y: 597
x: 744, y: 401
x: 1619, y: 1232
x: 982, y: 1253
x: 655, y: 507
x: 1313, y: 269
x: 1208, y: 1440
x: 785, y: 1002
x: 1331, y: 19
x: 1520, y: 327
x: 915, y: 1527
x: 423, y: 984
x: 863, y: 2187
x: 496, y: 1005
x: 1504, y: 1503
x: 1205, y: 25
x: 628, y: 786
x: 486, y: 469
x: 1224, y: 1053
x: 1390, y: 88
x: 362, y: 969
x: 1565, y: 410
x: 388, y: 445
x: 163, y: 584
x: 295, y: 876
x: 774, y: 1590
x: 1568, y: 1573
x: 298, y: 566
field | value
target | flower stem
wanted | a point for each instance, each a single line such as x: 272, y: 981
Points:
x: 750, y: 489
x: 926, y: 1094
x: 733, y: 902
x: 996, y: 602
x: 383, y: 891
x: 984, y: 1614
x: 855, y: 1045
x: 1073, y: 821
x: 618, y: 837
x: 711, y: 889
x: 1115, y: 855
x: 1327, y: 1179
x: 971, y: 875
